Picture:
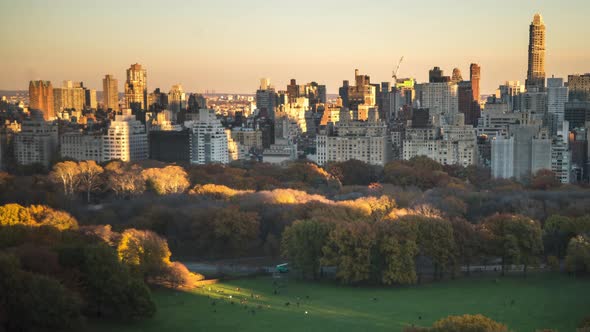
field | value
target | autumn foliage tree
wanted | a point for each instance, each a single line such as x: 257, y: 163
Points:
x: 167, y: 180
x: 123, y: 178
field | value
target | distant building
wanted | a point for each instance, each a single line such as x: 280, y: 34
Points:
x: 136, y: 88
x: 579, y: 87
x: 125, y: 139
x: 209, y: 141
x: 176, y: 101
x: 266, y: 99
x: 281, y: 151
x: 81, y: 146
x: 441, y: 98
x: 171, y: 146
x: 368, y: 141
x: 451, y: 144
x: 362, y: 93
x: 90, y: 99
x: 110, y: 92
x: 71, y: 96
x: 557, y: 96
x: 41, y: 98
x: 37, y: 142
x: 577, y: 113
x: 536, y: 63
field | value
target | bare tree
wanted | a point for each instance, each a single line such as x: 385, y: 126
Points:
x: 89, y: 176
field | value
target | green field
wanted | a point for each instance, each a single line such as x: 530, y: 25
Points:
x: 540, y: 301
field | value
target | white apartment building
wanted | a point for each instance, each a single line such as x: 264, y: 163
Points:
x: 439, y: 98
x: 448, y: 145
x: 36, y: 143
x: 125, y: 139
x: 368, y: 141
x: 210, y: 141
x: 81, y: 146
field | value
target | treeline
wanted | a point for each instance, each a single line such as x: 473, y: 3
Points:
x: 55, y: 274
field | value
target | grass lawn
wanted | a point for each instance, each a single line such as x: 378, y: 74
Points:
x: 540, y: 301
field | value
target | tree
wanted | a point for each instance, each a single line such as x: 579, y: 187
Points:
x: 15, y: 214
x: 578, y: 254
x: 468, y: 323
x: 349, y: 249
x: 145, y: 252
x: 108, y: 287
x: 302, y: 245
x: 514, y: 238
x: 66, y: 173
x: 436, y: 241
x: 354, y: 172
x: 167, y: 180
x: 468, y: 241
x: 89, y: 177
x: 47, y: 216
x: 235, y: 231
x: 397, y: 249
x: 32, y: 302
x: 124, y: 178
x: 544, y: 179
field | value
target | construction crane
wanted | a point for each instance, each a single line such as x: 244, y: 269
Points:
x: 394, y: 75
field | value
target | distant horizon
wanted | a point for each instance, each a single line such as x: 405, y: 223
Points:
x: 229, y: 45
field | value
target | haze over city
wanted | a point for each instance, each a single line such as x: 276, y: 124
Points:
x: 227, y: 45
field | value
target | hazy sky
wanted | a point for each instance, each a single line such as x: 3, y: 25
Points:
x: 227, y: 45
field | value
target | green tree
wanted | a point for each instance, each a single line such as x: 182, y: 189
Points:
x: 468, y: 241
x: 108, y: 287
x: 302, y: 245
x: 235, y: 231
x: 436, y: 241
x: 349, y: 248
x: 397, y: 249
x: 515, y: 238
x: 32, y: 302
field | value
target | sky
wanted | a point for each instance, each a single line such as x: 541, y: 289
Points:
x: 228, y: 45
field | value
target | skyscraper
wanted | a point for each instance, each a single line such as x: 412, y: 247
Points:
x: 136, y: 88
x: 457, y: 77
x: 176, y: 101
x: 41, y: 98
x: 110, y: 92
x: 474, y: 76
x: 536, y: 70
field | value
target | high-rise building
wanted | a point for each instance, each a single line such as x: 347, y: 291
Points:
x: 176, y: 101
x: 90, y: 98
x: 368, y: 141
x: 125, y: 139
x: 210, y: 142
x: 37, y: 142
x: 436, y: 75
x: 71, y: 96
x: 474, y: 77
x: 441, y: 98
x: 362, y: 93
x: 457, y: 77
x: 536, y: 69
x: 266, y: 98
x: 110, y: 92
x: 81, y: 146
x: 557, y: 96
x: 579, y: 87
x: 41, y: 98
x: 136, y: 88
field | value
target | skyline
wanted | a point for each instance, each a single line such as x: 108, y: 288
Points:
x: 228, y: 46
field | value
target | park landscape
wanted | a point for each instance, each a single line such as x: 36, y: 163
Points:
x: 104, y: 247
